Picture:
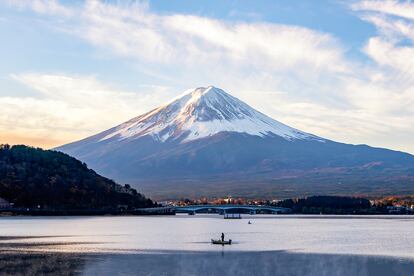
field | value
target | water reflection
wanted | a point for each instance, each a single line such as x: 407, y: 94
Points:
x: 368, y: 235
x: 181, y: 245
x: 202, y: 263
x: 248, y: 263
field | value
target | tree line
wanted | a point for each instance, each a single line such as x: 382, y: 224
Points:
x: 328, y: 205
x: 36, y: 178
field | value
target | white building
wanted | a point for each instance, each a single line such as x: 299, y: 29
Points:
x: 4, y: 203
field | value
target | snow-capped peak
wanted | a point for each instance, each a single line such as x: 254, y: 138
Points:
x: 200, y: 113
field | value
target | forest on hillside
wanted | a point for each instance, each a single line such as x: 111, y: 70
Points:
x: 36, y: 178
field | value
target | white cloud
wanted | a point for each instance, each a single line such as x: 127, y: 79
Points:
x: 192, y: 41
x: 298, y: 75
x: 195, y: 50
x: 74, y: 91
x: 50, y: 7
x: 71, y: 106
x: 393, y: 48
x: 391, y: 7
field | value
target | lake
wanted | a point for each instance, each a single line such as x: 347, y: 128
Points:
x: 180, y: 245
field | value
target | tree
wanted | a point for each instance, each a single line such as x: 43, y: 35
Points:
x: 32, y: 176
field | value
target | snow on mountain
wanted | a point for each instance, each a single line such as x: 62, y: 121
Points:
x: 200, y: 113
x: 242, y: 152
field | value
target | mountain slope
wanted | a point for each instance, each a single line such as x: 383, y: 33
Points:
x: 30, y: 177
x: 207, y: 138
x: 201, y: 113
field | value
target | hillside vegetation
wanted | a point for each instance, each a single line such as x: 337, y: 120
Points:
x: 32, y: 177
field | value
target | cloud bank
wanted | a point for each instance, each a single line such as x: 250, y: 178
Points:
x: 299, y: 76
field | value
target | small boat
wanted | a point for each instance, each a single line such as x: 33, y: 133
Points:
x: 220, y: 242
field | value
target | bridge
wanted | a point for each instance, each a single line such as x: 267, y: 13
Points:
x: 230, y: 208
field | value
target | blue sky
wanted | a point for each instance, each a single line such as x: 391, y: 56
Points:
x: 339, y: 69
x: 330, y: 16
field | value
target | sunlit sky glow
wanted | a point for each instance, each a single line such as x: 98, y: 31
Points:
x: 343, y: 70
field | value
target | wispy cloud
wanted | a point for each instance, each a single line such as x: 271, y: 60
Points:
x: 51, y: 7
x: 393, y: 51
x: 391, y: 7
x: 187, y: 40
x: 70, y: 106
x: 298, y: 75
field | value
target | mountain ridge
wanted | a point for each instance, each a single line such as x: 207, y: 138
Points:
x: 207, y: 137
x: 203, y: 112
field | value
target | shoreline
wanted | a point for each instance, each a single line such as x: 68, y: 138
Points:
x: 105, y: 212
x: 138, y: 214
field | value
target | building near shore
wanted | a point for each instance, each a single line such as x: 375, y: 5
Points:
x: 4, y: 203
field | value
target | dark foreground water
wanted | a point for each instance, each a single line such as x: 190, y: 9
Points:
x: 271, y: 245
x: 202, y: 263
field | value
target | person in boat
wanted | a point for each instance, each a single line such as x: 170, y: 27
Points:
x: 222, y: 237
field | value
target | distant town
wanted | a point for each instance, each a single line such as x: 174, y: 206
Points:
x: 315, y: 204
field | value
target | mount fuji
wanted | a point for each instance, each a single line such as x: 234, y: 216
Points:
x: 208, y: 143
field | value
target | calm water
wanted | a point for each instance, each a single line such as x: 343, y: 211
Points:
x: 372, y: 235
x: 304, y: 237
